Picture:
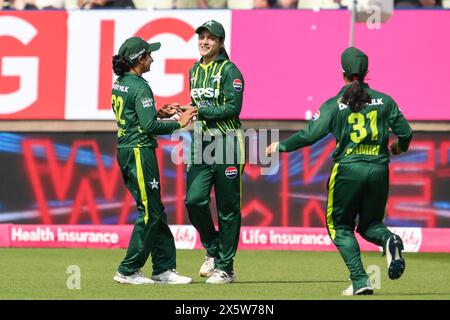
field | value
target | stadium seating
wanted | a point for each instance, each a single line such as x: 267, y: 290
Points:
x: 168, y: 4
x: 240, y: 4
x: 153, y: 4
x: 143, y: 4
x: 322, y: 4
x: 71, y: 4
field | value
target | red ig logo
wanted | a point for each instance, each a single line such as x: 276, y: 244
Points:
x: 32, y: 47
x: 147, y: 31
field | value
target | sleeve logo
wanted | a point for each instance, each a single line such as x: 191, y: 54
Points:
x: 147, y: 102
x: 316, y: 116
x: 237, y: 84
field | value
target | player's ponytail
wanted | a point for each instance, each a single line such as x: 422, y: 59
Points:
x: 120, y: 65
x: 224, y: 52
x: 356, y: 97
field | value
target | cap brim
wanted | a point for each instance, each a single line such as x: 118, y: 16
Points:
x: 199, y: 30
x: 154, y: 46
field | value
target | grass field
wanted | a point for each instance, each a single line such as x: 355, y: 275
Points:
x: 286, y: 275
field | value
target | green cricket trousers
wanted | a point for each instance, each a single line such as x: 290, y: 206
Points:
x: 357, y: 190
x: 225, y: 174
x: 151, y: 233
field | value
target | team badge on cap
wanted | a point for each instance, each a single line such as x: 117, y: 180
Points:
x: 237, y: 84
x: 231, y: 172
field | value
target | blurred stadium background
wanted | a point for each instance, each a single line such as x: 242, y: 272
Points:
x: 60, y: 184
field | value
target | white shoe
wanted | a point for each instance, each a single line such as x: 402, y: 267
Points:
x: 171, y: 277
x: 219, y: 277
x: 207, y: 267
x: 395, y: 261
x: 368, y: 289
x: 135, y: 278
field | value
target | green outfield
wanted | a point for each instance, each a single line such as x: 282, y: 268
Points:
x: 41, y: 274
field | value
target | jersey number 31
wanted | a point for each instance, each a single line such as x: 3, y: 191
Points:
x: 359, y: 131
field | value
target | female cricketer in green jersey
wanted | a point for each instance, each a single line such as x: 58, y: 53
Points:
x: 217, y: 88
x: 134, y: 107
x: 359, y: 118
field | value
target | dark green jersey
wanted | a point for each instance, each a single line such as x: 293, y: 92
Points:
x: 134, y: 106
x: 360, y: 136
x: 217, y: 90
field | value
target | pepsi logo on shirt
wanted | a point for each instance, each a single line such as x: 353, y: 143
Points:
x: 231, y: 172
x: 237, y: 84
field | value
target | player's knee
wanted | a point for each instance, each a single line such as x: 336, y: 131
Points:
x: 195, y: 200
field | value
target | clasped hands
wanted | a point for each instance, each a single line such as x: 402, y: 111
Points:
x: 184, y: 114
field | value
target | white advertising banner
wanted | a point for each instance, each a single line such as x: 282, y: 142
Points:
x: 56, y: 64
x: 94, y: 37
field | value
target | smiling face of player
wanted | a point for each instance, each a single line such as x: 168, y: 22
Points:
x: 209, y: 46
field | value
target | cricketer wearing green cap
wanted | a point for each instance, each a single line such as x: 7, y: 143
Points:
x: 214, y: 27
x: 135, y: 47
x: 136, y: 116
x: 217, y: 89
x: 359, y: 118
x: 354, y: 62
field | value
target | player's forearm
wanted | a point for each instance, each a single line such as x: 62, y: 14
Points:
x: 404, y: 141
x: 224, y: 112
x: 292, y: 143
x: 156, y: 127
x: 403, y: 131
x: 302, y: 138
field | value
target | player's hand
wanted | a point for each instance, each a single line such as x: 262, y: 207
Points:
x: 395, y: 150
x: 272, y: 148
x: 187, y: 107
x: 186, y: 117
x: 168, y: 110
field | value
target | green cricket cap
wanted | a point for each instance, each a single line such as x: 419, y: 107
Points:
x: 216, y: 28
x: 354, y: 61
x: 135, y: 47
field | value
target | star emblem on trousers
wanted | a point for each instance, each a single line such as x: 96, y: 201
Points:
x: 154, y: 184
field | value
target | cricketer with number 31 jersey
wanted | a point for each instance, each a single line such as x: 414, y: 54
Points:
x: 360, y: 135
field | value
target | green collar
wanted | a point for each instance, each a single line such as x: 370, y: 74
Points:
x: 220, y: 57
x: 134, y: 75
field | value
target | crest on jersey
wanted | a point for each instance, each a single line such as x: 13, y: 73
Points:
x: 216, y: 78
